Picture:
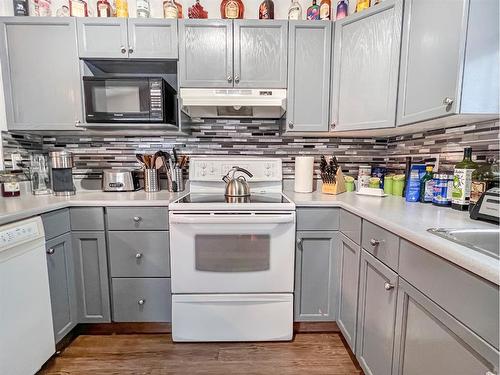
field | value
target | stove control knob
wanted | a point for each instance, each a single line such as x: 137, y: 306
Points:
x: 203, y: 173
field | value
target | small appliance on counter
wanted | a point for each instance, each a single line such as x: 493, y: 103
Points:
x: 61, y: 173
x: 488, y: 206
x: 120, y: 180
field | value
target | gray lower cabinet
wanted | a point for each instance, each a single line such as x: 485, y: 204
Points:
x: 376, y: 316
x: 365, y: 68
x: 142, y: 300
x: 316, y: 276
x: 309, y: 55
x: 349, y: 261
x: 449, y: 59
x: 260, y: 53
x: 433, y: 342
x: 91, y: 272
x: 205, y: 53
x: 40, y: 70
x: 60, y: 264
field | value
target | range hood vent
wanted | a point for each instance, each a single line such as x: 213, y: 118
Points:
x: 234, y: 103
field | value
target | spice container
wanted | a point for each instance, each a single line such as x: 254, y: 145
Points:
x: 10, y: 185
x: 443, y: 185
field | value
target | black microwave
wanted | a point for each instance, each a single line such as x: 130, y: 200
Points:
x: 129, y: 100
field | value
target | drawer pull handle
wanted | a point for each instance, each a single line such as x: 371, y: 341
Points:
x: 388, y: 286
x: 299, y: 243
x: 138, y: 256
x: 141, y: 302
x: 50, y: 251
x: 374, y: 242
x: 137, y: 218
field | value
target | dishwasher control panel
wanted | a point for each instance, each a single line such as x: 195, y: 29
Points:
x: 22, y: 232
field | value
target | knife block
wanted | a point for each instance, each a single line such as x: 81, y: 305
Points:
x: 335, y: 188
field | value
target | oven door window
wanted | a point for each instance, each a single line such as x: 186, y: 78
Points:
x: 116, y: 99
x: 232, y: 253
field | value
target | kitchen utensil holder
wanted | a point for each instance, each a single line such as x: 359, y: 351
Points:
x: 337, y: 187
x: 151, y: 180
x: 179, y: 179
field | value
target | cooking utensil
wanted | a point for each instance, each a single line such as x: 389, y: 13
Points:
x: 237, y: 187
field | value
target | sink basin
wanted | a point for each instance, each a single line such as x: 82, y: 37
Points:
x: 483, y: 240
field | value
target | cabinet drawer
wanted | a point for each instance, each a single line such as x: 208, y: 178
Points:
x: 381, y: 243
x: 137, y: 218
x: 139, y: 254
x: 142, y: 300
x: 350, y: 225
x: 56, y: 223
x: 87, y: 218
x: 471, y: 299
x: 318, y: 219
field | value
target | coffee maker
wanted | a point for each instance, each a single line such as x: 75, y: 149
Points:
x: 61, y: 173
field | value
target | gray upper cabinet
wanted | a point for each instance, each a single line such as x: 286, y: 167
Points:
x: 260, y: 57
x: 349, y: 260
x: 433, y: 342
x: 365, y: 68
x: 152, y: 38
x: 118, y: 38
x: 316, y: 276
x: 60, y: 264
x: 309, y: 53
x: 91, y: 271
x: 376, y: 316
x: 449, y: 59
x: 102, y: 37
x: 206, y: 53
x: 41, y: 77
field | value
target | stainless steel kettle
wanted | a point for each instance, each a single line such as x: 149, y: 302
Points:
x: 237, y: 187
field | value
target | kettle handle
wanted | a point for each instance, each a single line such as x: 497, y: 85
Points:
x: 238, y: 169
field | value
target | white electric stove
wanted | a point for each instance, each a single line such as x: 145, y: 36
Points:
x: 232, y: 259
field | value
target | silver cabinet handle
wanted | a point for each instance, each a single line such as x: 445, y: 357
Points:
x: 130, y: 50
x: 236, y: 78
x: 50, y: 251
x: 123, y: 49
x: 374, y: 242
x: 299, y: 243
x: 388, y: 286
x: 332, y: 125
x: 229, y: 79
x: 77, y: 122
x: 448, y: 101
x: 290, y: 125
x: 141, y: 302
x: 138, y: 256
x: 137, y: 218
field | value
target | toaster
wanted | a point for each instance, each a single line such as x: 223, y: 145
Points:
x: 120, y: 180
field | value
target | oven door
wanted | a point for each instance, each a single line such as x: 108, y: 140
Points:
x: 221, y: 252
x: 117, y: 99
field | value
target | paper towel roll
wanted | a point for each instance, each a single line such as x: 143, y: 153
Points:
x: 304, y: 168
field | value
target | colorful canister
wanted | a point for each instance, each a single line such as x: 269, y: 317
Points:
x: 380, y: 172
x: 364, y: 174
x: 442, y: 189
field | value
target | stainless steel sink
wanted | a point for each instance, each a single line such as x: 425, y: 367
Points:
x: 483, y: 240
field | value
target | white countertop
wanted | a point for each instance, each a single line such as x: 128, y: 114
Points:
x: 410, y: 221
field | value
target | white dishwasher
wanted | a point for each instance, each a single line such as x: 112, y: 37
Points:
x: 26, y: 330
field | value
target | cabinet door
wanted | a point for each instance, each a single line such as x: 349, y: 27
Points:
x: 60, y: 264
x: 102, y: 38
x: 206, y: 53
x: 376, y: 316
x: 365, y: 68
x: 40, y: 71
x: 309, y: 51
x: 260, y: 53
x: 349, y: 258
x: 432, y: 342
x: 152, y: 38
x: 316, y: 276
x: 432, y: 55
x: 91, y: 269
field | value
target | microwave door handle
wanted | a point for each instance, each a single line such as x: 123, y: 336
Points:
x: 230, y: 219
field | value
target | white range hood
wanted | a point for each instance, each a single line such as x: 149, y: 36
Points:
x: 236, y: 103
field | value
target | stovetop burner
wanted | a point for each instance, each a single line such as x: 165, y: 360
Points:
x: 220, y: 198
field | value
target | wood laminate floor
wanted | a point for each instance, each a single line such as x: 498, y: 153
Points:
x: 156, y: 354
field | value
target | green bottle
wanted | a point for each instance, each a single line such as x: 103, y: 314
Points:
x: 462, y: 181
x: 427, y: 185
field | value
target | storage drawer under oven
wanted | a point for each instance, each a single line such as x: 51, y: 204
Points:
x: 251, y: 252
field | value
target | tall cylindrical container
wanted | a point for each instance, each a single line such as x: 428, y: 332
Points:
x: 61, y: 172
x: 304, y: 169
x: 151, y: 180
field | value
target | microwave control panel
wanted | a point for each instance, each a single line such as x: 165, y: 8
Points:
x: 213, y: 169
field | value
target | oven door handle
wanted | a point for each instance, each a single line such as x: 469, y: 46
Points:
x: 231, y: 219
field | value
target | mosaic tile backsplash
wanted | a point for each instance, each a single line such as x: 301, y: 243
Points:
x: 94, y: 153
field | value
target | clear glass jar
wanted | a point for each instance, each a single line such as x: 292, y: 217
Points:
x: 10, y: 185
